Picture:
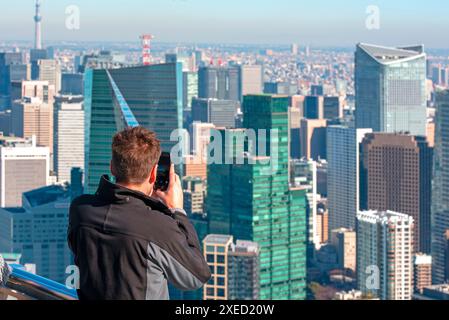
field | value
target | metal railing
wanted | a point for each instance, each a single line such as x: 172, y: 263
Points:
x: 22, y: 285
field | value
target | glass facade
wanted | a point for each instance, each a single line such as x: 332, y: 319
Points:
x: 440, y: 192
x: 253, y: 201
x: 150, y: 96
x: 390, y: 86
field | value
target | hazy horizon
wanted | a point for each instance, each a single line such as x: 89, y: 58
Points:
x: 275, y: 22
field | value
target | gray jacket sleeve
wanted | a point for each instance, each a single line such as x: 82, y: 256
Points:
x: 180, y: 256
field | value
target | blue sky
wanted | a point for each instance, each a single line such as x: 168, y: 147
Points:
x: 316, y: 22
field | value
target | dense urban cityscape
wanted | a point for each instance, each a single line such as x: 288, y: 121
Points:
x: 347, y: 198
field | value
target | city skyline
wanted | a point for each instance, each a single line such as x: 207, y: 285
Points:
x: 199, y: 21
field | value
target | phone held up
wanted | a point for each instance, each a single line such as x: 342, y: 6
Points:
x: 163, y: 172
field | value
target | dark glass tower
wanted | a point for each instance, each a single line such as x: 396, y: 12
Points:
x: 253, y: 201
x: 150, y: 96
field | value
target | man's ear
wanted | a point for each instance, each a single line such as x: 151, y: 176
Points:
x: 153, y: 175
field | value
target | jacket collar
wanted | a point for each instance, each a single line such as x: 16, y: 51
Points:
x: 121, y: 195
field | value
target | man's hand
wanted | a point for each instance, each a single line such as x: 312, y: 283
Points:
x: 173, y: 197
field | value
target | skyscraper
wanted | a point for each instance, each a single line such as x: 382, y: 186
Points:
x: 390, y: 85
x: 50, y: 70
x: 32, y: 117
x: 68, y: 136
x: 221, y: 113
x: 190, y: 89
x: 345, y: 242
x: 396, y: 175
x: 343, y: 156
x: 37, y: 89
x: 251, y: 80
x: 253, y: 201
x: 23, y: 167
x: 221, y: 83
x: 314, y: 107
x: 200, y: 134
x: 333, y: 108
x: 385, y: 254
x: 38, y: 230
x: 72, y: 83
x: 313, y: 139
x: 150, y: 96
x: 12, y: 69
x: 422, y: 272
x: 440, y: 192
x: 235, y: 268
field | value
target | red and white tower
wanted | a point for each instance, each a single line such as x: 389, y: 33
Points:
x: 146, y: 48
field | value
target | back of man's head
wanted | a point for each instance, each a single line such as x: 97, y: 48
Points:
x: 135, y: 152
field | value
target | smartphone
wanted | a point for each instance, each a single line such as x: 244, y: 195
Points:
x: 163, y: 172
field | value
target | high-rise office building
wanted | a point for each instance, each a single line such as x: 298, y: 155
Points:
x: 253, y: 201
x: 194, y: 166
x: 38, y: 230
x: 397, y: 175
x: 345, y: 242
x: 313, y: 139
x: 200, y: 134
x: 422, y: 273
x: 23, y: 167
x: 221, y: 83
x: 5, y: 122
x: 35, y: 56
x: 281, y: 88
x: 221, y: 113
x: 385, y: 254
x: 294, y: 49
x: 190, y: 89
x: 12, y: 69
x: 50, y: 70
x: 35, y: 89
x: 68, y: 136
x: 32, y: 117
x: 317, y: 90
x: 251, y: 80
x: 343, y: 175
x: 303, y: 175
x: 314, y: 107
x: 150, y: 96
x: 235, y: 268
x: 390, y: 85
x: 333, y: 108
x: 194, y: 194
x: 72, y: 84
x: 440, y: 191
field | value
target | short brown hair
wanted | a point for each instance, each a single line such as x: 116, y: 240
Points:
x: 135, y: 152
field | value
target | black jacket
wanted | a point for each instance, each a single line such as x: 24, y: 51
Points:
x: 128, y: 246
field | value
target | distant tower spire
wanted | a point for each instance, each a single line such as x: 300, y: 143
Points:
x: 37, y: 20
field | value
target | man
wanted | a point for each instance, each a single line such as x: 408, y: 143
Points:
x: 130, y: 240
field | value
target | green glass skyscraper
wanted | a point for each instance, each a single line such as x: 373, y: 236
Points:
x: 150, y: 96
x: 253, y: 201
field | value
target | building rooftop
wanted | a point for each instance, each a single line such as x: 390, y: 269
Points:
x: 375, y: 216
x: 218, y: 239
x: 46, y: 195
x: 385, y: 55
